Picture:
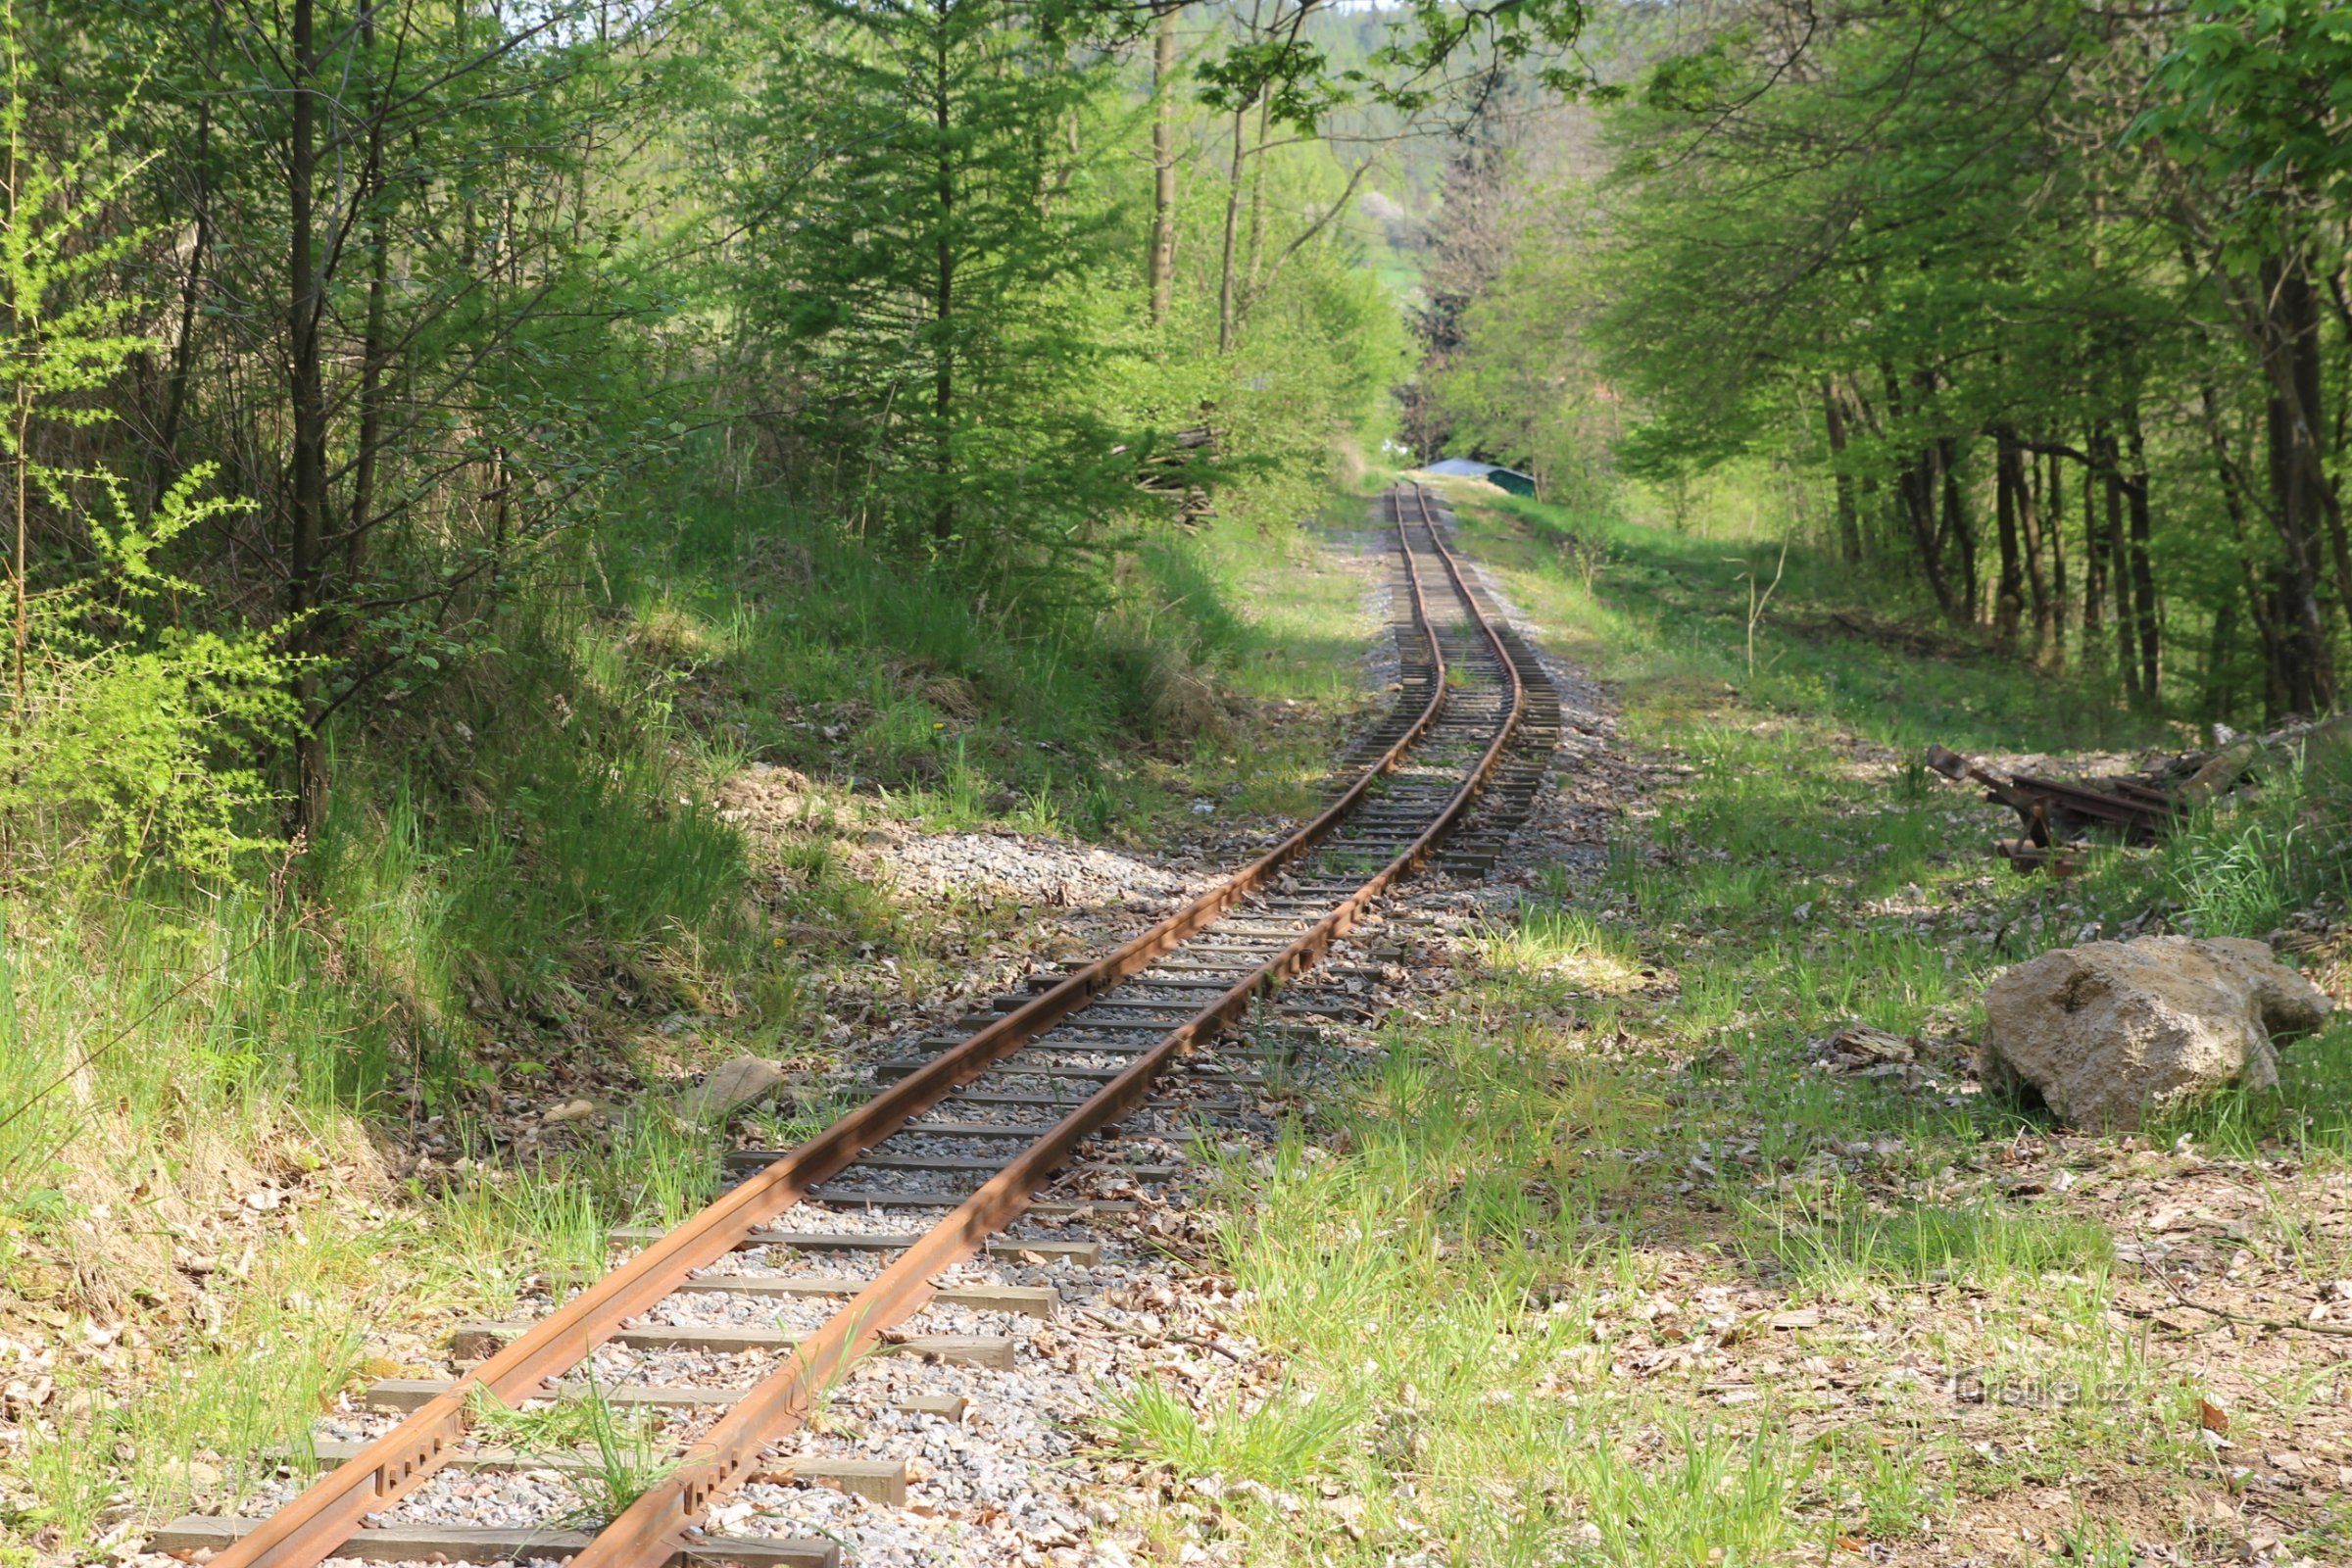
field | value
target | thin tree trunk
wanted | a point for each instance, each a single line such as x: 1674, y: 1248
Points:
x: 2095, y: 559
x: 1257, y: 197
x: 2144, y: 576
x: 1956, y: 523
x: 1918, y: 500
x: 372, y: 354
x: 2052, y: 509
x: 2119, y: 572
x: 2217, y: 661
x: 2301, y: 304
x: 2291, y: 306
x: 1849, y: 522
x: 943, y: 304
x: 19, y: 566
x: 191, y: 286
x: 2008, y: 595
x: 1916, y: 484
x: 2275, y: 654
x: 19, y: 562
x: 1233, y: 227
x: 305, y: 315
x: 1164, y: 168
x: 2029, y: 530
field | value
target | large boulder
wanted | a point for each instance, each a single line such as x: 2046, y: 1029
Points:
x: 2110, y: 1033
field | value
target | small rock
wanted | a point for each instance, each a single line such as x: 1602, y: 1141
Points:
x: 730, y: 1087
x: 2109, y: 1032
x: 569, y: 1110
x: 193, y: 1476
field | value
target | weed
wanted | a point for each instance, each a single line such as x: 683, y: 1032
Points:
x: 1282, y: 1440
x: 610, y: 1456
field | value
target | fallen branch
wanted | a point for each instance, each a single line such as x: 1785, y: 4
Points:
x: 1169, y: 1336
x: 2250, y: 1319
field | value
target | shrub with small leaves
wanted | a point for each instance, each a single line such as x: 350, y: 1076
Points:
x: 129, y: 737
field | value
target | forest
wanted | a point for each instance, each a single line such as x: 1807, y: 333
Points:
x: 336, y: 330
x: 334, y: 334
x: 2036, y: 314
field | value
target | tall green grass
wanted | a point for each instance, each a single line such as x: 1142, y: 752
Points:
x: 1675, y: 606
x: 169, y: 1015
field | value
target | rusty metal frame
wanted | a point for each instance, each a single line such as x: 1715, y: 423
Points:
x: 651, y: 1530
x: 315, y: 1525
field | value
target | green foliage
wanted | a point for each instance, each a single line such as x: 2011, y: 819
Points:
x: 1678, y: 601
x: 1422, y: 52
x: 2254, y: 92
x: 129, y: 737
x: 1523, y: 386
x: 1572, y: 1248
x: 1278, y: 1439
x: 131, y: 741
x: 2020, y: 373
x: 613, y: 1455
x: 487, y: 435
x: 934, y: 295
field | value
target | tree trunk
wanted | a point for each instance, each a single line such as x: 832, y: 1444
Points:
x: 1955, y: 521
x: 2029, y: 530
x: 375, y: 195
x: 2217, y: 694
x: 2094, y: 560
x: 305, y: 318
x: 1916, y: 484
x: 2008, y: 594
x: 1164, y: 168
x: 1849, y: 522
x: 2276, y: 653
x: 2118, y: 570
x: 1258, y: 198
x: 943, y: 301
x: 2292, y: 309
x: 2144, y: 576
x: 1918, y: 500
x: 191, y: 286
x: 2050, y: 513
x: 1233, y: 229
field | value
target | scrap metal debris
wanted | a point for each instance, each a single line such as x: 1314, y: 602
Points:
x: 2132, y: 808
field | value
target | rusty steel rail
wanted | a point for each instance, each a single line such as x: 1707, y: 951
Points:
x: 317, y: 1524
x: 650, y: 1531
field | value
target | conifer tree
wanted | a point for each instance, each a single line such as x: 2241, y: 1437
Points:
x: 930, y: 270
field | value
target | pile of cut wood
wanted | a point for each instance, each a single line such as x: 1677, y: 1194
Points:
x: 2063, y: 814
x: 1174, y: 468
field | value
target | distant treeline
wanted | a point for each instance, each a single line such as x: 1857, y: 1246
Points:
x: 2048, y: 297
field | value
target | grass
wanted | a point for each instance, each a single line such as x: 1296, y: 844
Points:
x: 257, y: 1150
x: 1601, y: 1268
x: 790, y: 645
x: 1673, y: 614
x: 611, y: 1456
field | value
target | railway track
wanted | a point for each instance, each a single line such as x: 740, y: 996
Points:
x: 946, y: 1203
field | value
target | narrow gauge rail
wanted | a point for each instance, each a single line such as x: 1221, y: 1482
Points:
x: 978, y: 1129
